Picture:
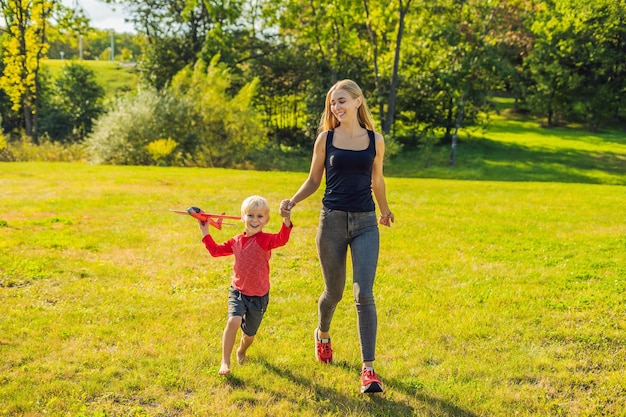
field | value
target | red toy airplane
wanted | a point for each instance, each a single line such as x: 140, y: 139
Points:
x: 214, y: 220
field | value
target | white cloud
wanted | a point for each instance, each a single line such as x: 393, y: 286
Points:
x: 103, y: 15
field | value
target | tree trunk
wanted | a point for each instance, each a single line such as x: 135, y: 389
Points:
x: 396, y: 64
x: 28, y: 121
x: 320, y: 47
x: 457, y: 126
x: 449, y: 115
x: 374, y: 40
x: 386, y: 119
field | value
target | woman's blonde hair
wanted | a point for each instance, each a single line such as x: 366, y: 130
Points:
x: 254, y: 202
x: 364, y: 116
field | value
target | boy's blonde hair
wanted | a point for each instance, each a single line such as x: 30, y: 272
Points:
x: 364, y: 116
x: 254, y: 202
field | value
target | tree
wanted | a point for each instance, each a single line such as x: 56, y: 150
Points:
x: 282, y: 93
x: 73, y: 105
x: 11, y: 119
x: 26, y: 23
x: 553, y: 79
x: 577, y: 61
x: 386, y: 116
x: 25, y: 43
x: 328, y: 32
x: 178, y: 32
x: 457, y: 63
x: 329, y: 39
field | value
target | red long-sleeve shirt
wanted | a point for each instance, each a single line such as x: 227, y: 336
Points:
x: 251, y: 272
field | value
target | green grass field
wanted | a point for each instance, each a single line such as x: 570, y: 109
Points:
x: 495, y: 298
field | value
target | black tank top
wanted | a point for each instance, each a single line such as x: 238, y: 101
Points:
x: 349, y: 177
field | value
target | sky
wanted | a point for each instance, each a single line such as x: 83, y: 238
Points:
x: 103, y: 16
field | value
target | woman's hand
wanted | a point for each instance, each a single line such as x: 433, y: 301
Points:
x: 387, y: 219
x: 285, y: 207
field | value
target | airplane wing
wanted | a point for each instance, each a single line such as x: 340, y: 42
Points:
x: 214, y: 220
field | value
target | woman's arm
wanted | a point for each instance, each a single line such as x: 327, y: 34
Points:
x: 378, y: 183
x: 316, y: 172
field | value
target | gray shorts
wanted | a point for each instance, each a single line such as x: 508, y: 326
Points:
x: 249, y: 308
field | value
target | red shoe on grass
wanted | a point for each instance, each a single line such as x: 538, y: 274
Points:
x: 323, y: 349
x: 370, y: 382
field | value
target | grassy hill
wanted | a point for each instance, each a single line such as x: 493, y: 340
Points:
x: 115, y: 77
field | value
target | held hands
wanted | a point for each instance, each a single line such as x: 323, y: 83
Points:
x: 285, y: 211
x: 285, y: 208
x: 386, y: 220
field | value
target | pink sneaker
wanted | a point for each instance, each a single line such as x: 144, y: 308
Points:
x: 370, y: 382
x: 323, y: 350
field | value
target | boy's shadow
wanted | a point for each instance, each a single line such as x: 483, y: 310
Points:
x: 234, y: 381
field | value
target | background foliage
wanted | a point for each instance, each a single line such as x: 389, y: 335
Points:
x: 197, y: 112
x: 429, y: 69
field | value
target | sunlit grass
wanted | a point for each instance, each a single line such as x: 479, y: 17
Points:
x: 522, y: 150
x: 494, y: 299
x: 510, y: 147
x: 529, y: 133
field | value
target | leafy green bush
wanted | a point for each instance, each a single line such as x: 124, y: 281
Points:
x: 161, y: 150
x: 228, y: 126
x: 121, y: 135
x: 5, y: 154
x: 25, y: 150
x: 210, y: 126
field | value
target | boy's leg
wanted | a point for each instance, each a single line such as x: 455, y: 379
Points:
x: 228, y: 342
x: 246, y: 341
x: 236, y: 311
x: 256, y: 306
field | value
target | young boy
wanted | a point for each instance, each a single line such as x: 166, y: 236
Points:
x: 249, y: 291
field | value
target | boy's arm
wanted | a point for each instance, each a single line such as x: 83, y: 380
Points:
x: 279, y: 239
x: 204, y: 227
x: 286, y: 219
x: 216, y: 250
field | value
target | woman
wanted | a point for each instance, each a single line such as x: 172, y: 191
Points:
x: 351, y: 155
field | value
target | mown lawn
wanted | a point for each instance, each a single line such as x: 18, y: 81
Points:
x: 495, y: 298
x: 520, y: 149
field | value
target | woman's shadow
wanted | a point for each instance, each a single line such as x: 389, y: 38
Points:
x: 326, y: 400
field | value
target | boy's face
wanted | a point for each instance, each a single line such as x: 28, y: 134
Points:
x: 255, y: 219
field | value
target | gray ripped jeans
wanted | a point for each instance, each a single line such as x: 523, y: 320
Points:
x: 337, y: 231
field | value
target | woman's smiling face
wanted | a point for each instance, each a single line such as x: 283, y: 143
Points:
x: 342, y: 105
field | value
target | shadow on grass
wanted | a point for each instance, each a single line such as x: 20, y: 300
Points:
x: 486, y: 159
x: 432, y: 406
x: 325, y: 400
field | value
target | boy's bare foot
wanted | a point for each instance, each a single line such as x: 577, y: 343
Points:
x: 241, y: 356
x: 224, y: 369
